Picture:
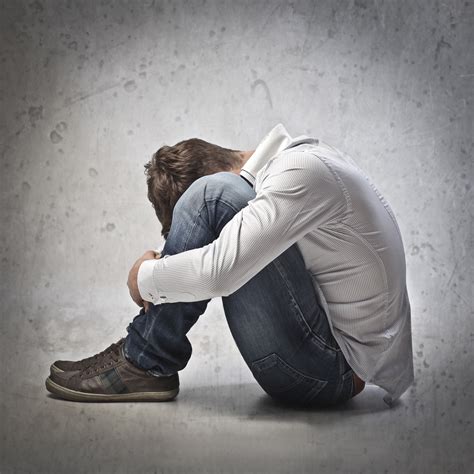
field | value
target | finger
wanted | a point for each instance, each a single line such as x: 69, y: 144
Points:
x: 146, y: 305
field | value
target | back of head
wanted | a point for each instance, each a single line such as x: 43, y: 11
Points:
x: 172, y: 169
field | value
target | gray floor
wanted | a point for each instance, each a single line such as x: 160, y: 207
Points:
x: 89, y: 89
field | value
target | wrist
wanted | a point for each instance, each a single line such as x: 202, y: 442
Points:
x: 145, y: 281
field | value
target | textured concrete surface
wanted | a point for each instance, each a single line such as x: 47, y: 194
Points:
x: 89, y: 89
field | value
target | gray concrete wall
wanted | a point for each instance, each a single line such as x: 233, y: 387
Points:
x: 90, y: 89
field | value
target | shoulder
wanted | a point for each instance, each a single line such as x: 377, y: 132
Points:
x: 303, y: 163
x: 300, y: 174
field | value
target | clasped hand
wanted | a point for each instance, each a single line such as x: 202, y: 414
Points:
x: 132, y: 281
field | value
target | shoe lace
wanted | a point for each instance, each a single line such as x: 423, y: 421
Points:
x: 106, y: 357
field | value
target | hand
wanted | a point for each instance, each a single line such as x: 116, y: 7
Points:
x: 132, y: 282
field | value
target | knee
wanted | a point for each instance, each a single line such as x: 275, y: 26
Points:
x: 217, y: 182
x: 223, y: 185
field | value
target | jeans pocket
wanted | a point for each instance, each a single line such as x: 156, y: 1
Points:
x: 329, y: 345
x: 283, y: 382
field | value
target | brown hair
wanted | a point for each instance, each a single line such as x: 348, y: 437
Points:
x: 172, y: 169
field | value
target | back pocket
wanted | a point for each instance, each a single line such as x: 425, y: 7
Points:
x: 283, y: 382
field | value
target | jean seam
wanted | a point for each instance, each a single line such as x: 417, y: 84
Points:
x: 223, y: 201
x: 207, y: 201
x: 185, y: 246
x: 294, y: 304
x: 342, y: 381
x: 307, y: 327
x: 297, y: 375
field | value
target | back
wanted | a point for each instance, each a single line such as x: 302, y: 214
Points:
x: 357, y: 262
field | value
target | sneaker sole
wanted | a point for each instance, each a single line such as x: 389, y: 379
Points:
x: 77, y: 396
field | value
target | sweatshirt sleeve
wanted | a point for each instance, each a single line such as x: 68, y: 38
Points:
x: 297, y: 193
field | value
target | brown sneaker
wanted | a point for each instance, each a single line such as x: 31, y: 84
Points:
x: 112, y: 378
x: 70, y: 365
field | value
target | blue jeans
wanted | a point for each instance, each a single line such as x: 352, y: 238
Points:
x: 275, y: 318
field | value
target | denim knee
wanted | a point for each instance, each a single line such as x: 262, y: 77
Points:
x: 224, y: 186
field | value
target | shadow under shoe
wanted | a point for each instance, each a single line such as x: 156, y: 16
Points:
x: 112, y: 378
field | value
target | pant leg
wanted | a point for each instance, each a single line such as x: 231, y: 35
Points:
x: 275, y: 319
